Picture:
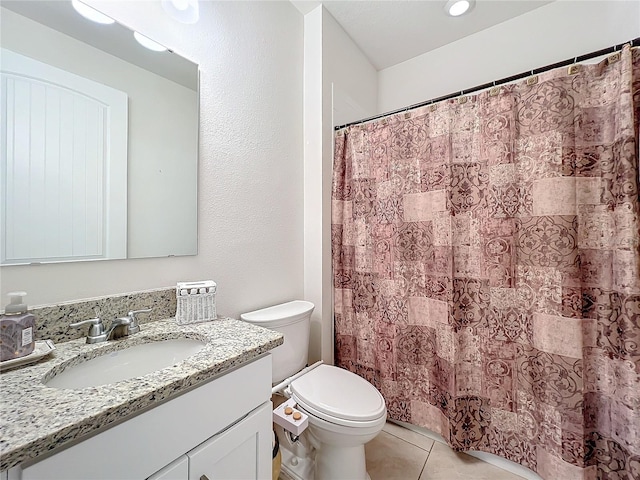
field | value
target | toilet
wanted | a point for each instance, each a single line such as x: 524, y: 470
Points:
x: 345, y: 411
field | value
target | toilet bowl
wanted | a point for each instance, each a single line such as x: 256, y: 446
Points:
x: 345, y: 411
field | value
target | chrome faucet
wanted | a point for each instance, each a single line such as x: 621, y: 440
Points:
x: 120, y: 327
x: 134, y: 326
x: 96, y: 330
x: 123, y: 322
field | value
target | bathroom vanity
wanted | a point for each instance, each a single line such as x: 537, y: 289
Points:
x: 207, y: 417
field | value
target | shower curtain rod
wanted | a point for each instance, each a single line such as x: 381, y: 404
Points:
x: 634, y: 43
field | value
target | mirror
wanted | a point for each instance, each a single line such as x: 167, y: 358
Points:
x: 67, y: 192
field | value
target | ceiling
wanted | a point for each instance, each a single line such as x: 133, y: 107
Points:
x: 393, y: 31
x: 115, y: 39
x: 387, y: 31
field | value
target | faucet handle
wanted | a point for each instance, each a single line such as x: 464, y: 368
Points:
x: 134, y: 327
x: 133, y: 313
x: 96, y: 329
x: 93, y: 321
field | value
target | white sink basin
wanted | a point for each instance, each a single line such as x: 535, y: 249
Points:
x: 128, y: 363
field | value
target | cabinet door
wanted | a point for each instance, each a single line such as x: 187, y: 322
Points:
x: 242, y: 452
x: 176, y: 470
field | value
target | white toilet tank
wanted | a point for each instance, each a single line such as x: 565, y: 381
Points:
x: 292, y: 319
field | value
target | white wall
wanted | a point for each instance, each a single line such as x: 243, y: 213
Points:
x: 160, y: 174
x: 333, y: 63
x: 348, y: 71
x: 250, y: 190
x: 315, y: 241
x: 552, y: 33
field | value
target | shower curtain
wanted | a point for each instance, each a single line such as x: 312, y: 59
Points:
x: 487, y: 271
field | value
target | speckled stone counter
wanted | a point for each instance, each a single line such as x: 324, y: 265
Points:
x: 35, y: 419
x: 52, y: 321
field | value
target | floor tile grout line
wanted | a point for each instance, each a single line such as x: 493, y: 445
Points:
x: 428, y: 457
x: 426, y: 470
x: 424, y: 466
x: 411, y: 443
x: 426, y: 437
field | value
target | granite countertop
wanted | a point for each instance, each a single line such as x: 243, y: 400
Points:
x: 34, y: 419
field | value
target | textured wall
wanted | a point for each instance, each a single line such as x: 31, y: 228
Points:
x: 250, y: 173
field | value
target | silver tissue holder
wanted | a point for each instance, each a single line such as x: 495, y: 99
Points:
x: 196, y: 302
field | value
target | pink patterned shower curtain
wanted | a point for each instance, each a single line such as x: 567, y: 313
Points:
x: 487, y: 268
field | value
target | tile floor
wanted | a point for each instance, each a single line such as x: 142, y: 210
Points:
x: 401, y: 454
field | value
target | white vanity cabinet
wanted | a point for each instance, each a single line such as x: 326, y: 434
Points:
x: 234, y: 453
x: 178, y: 469
x: 219, y: 430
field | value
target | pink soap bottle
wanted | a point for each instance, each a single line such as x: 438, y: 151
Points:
x: 17, y: 329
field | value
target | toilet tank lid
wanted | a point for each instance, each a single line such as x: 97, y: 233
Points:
x: 279, y: 314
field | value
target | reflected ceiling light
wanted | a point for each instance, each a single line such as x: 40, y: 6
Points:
x: 455, y: 8
x: 146, y: 42
x: 91, y: 13
x: 185, y: 11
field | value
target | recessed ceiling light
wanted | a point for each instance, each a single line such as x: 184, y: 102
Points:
x: 91, y: 13
x: 455, y: 8
x: 185, y: 11
x: 148, y: 43
x: 180, y: 4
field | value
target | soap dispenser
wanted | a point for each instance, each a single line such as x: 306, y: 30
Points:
x: 17, y: 329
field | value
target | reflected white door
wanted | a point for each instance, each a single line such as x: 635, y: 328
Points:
x: 64, y: 156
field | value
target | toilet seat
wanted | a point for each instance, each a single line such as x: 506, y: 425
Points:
x: 339, y: 396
